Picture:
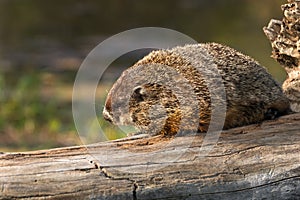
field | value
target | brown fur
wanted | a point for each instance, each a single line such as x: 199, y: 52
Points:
x: 252, y: 95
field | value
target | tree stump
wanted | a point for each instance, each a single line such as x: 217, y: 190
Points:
x: 284, y: 36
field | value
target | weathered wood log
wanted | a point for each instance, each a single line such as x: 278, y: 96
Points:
x: 259, y: 161
x: 284, y: 36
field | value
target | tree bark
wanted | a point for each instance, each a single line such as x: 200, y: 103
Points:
x: 259, y: 161
x: 284, y: 36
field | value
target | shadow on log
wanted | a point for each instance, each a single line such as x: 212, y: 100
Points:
x: 253, y: 162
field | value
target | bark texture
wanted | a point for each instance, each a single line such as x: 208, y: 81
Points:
x: 252, y: 162
x: 284, y: 36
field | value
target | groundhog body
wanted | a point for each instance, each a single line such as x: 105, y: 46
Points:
x: 148, y: 97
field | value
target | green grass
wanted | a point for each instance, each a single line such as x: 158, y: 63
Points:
x: 36, y: 113
x: 29, y: 120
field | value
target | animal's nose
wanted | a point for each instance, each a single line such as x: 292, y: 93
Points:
x: 107, y: 110
x: 108, y: 104
x: 106, y: 115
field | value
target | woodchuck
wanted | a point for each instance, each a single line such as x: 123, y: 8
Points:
x: 169, y: 86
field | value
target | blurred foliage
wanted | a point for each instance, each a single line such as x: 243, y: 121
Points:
x: 25, y: 100
x: 42, y: 44
x: 32, y: 118
x: 25, y: 112
x: 29, y: 26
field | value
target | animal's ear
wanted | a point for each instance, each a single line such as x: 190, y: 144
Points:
x: 139, y: 93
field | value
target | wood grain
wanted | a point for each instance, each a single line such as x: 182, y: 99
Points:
x: 252, y: 162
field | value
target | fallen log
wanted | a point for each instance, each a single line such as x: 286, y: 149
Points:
x: 259, y: 161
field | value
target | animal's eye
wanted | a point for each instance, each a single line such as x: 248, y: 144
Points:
x: 138, y: 94
x: 137, y: 90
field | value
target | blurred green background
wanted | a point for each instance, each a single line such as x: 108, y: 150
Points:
x: 42, y: 44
